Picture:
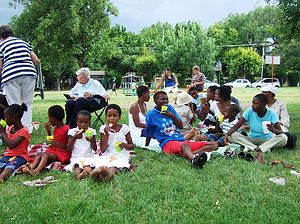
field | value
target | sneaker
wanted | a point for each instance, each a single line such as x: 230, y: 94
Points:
x: 295, y: 173
x: 199, y: 160
x: 278, y: 180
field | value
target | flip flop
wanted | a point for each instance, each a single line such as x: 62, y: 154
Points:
x: 34, y: 183
x: 48, y: 180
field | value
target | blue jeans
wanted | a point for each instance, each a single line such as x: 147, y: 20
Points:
x: 5, y: 162
x: 215, y: 138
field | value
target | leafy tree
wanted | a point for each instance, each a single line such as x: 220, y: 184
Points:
x: 289, y: 20
x: 60, y: 38
x: 242, y: 63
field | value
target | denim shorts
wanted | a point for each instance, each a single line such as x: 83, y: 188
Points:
x: 11, y: 162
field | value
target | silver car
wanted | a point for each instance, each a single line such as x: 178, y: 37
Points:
x: 209, y: 83
x: 266, y: 81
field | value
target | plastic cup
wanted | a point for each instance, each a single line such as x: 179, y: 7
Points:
x: 117, y: 146
x: 163, y: 109
x: 2, y: 123
x: 36, y: 125
x: 265, y: 127
x: 88, y: 133
x: 50, y: 139
x: 221, y: 118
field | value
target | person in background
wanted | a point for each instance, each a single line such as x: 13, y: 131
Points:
x: 18, y: 73
x: 170, y: 82
x: 184, y: 108
x: 198, y: 79
x: 277, y: 105
x: 84, y: 96
x: 114, y: 86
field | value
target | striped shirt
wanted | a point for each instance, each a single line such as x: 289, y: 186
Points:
x: 15, y: 54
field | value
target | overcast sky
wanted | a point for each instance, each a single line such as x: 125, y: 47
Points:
x: 137, y: 14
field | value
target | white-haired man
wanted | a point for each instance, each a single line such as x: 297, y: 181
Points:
x: 83, y: 96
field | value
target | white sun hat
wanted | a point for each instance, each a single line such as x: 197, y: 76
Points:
x: 269, y: 88
x: 183, y: 98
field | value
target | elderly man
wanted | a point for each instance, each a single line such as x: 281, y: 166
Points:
x: 198, y: 79
x: 84, y: 96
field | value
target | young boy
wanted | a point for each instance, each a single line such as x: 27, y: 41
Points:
x: 230, y: 119
x: 260, y: 139
x: 163, y: 122
x: 56, y: 152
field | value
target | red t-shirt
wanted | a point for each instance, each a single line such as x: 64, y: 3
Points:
x: 22, y: 148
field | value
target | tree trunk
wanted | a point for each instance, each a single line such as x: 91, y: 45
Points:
x: 58, y: 84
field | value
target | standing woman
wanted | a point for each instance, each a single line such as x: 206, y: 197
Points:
x: 170, y: 81
x: 18, y: 73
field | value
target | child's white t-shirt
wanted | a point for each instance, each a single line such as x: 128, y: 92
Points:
x: 114, y: 137
x: 82, y: 147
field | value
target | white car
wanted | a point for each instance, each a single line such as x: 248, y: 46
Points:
x: 209, y: 83
x: 266, y: 81
x: 239, y: 83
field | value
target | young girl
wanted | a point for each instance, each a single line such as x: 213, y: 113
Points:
x: 16, y: 139
x: 114, y: 137
x: 56, y: 152
x: 82, y: 143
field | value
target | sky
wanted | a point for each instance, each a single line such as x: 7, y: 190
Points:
x: 138, y: 14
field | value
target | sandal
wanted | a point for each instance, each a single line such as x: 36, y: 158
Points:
x: 34, y: 183
x: 246, y: 156
x: 199, y: 161
x: 48, y: 180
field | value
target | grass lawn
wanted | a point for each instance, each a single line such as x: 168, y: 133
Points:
x: 164, y: 189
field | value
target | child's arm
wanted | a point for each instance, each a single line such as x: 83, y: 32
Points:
x: 129, y: 145
x: 177, y: 122
x: 92, y: 141
x: 72, y: 140
x: 104, y: 142
x: 11, y: 144
x: 48, y: 128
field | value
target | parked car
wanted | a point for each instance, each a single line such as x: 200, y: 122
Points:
x: 209, y: 83
x: 239, y: 83
x: 266, y: 81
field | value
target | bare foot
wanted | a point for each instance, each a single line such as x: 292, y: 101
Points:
x: 27, y: 170
x: 190, y: 134
x: 260, y: 158
x: 103, y: 174
x: 85, y: 172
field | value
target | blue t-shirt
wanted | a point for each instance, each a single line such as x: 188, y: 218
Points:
x: 162, y: 127
x: 255, y: 122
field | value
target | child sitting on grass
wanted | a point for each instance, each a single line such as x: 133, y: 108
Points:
x: 230, y: 119
x: 57, y: 150
x: 163, y: 122
x: 114, y: 136
x: 82, y: 143
x: 16, y: 139
x: 115, y: 139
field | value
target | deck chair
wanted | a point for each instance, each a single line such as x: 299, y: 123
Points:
x: 99, y: 110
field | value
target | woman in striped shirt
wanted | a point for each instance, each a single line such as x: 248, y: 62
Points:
x: 18, y: 73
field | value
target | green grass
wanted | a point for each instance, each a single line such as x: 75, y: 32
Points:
x: 164, y: 189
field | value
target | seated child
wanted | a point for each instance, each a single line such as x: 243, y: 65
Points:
x: 230, y: 119
x: 196, y: 99
x: 57, y: 150
x: 185, y: 111
x: 163, y: 122
x: 16, y: 139
x: 114, y: 136
x: 265, y: 131
x: 82, y: 144
x: 115, y: 140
